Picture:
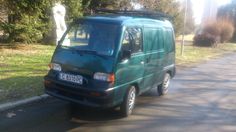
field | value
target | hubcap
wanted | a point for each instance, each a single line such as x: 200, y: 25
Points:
x: 132, y: 99
x: 166, y: 84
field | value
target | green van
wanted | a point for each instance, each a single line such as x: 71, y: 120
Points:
x: 106, y: 61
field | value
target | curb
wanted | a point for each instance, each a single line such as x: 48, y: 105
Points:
x: 10, y: 105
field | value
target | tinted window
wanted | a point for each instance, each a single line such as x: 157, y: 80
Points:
x: 132, y: 39
x: 154, y: 39
x: 169, y: 41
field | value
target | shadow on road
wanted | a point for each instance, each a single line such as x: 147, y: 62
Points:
x: 89, y: 114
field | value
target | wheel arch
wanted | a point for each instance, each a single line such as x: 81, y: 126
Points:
x: 172, y: 72
x: 137, y: 88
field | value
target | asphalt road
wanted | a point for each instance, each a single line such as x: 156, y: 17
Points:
x: 201, y: 99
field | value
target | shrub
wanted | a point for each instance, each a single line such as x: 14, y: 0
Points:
x: 212, y: 33
x: 22, y: 32
x: 212, y: 29
x: 227, y: 30
x: 205, y: 40
x: 208, y: 35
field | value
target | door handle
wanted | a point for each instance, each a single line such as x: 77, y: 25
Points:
x: 147, y: 60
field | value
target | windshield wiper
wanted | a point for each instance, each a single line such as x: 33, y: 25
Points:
x: 93, y: 52
x: 87, y: 51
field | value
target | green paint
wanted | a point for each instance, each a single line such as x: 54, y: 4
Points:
x: 150, y: 43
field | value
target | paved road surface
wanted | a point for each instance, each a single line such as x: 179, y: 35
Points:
x: 202, y: 98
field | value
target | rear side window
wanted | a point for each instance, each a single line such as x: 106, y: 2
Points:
x: 169, y: 41
x: 154, y: 39
x: 132, y: 39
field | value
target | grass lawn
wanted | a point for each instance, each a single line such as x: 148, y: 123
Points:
x: 193, y: 55
x: 22, y: 67
x: 186, y: 37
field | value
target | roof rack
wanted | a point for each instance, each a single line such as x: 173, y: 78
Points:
x: 137, y: 13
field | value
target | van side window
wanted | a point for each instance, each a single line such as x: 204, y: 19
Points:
x: 154, y: 39
x: 132, y: 39
x: 169, y: 40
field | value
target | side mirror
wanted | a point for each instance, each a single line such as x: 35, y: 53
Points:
x: 126, y: 54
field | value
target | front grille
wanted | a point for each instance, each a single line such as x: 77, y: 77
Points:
x: 72, y: 90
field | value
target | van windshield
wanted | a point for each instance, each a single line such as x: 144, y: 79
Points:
x: 94, y: 38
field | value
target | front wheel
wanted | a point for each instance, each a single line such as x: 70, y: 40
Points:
x: 129, y: 102
x: 163, y: 88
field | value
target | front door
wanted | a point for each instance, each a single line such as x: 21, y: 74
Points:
x: 131, y: 70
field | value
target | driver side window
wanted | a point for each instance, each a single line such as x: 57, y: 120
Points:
x: 132, y: 40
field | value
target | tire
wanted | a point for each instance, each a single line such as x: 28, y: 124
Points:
x: 128, y: 104
x: 163, y: 88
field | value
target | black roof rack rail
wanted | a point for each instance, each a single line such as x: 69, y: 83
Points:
x: 138, y: 13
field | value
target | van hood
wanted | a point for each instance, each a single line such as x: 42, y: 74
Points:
x: 84, y: 63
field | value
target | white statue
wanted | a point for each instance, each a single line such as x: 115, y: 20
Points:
x: 59, y: 12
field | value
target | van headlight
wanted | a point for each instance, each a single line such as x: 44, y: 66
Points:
x: 104, y: 77
x: 55, y: 66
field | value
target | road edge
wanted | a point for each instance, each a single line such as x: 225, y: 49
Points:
x: 10, y: 105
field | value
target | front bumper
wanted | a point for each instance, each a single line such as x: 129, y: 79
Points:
x: 83, y: 96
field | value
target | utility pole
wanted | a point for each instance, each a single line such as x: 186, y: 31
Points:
x: 183, y: 35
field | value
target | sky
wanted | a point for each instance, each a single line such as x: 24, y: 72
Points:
x: 198, y: 8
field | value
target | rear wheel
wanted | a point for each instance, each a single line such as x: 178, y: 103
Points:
x: 129, y: 102
x: 163, y: 88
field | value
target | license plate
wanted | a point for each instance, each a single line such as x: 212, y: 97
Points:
x: 71, y: 78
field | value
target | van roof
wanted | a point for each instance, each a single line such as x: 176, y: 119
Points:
x: 127, y: 20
